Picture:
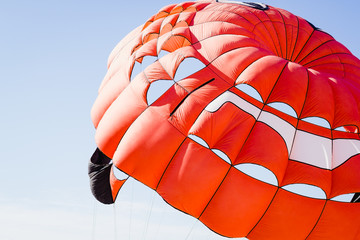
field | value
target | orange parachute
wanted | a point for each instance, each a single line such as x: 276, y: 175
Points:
x: 241, y: 115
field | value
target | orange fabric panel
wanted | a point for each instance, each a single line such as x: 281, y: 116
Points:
x: 313, y: 49
x: 169, y: 23
x: 297, y: 172
x: 259, y: 150
x: 238, y: 204
x: 291, y: 87
x: 338, y: 221
x: 345, y: 178
x: 146, y: 156
x: 267, y: 32
x: 167, y: 102
x: 192, y: 177
x: 240, y: 59
x: 154, y: 27
x: 186, y: 114
x: 280, y: 29
x: 156, y: 72
x: 346, y: 103
x: 286, y: 60
x: 130, y: 103
x: 304, y: 33
x: 187, y: 16
x: 115, y: 184
x: 196, y: 80
x: 285, y: 218
x: 175, y: 42
x: 214, y: 13
x: 171, y: 62
x: 123, y: 44
x: 219, y: 129
x: 210, y: 48
x: 262, y: 74
x: 148, y: 49
x: 319, y: 103
x: 107, y: 96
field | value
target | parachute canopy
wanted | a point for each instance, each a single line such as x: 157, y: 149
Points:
x: 242, y: 115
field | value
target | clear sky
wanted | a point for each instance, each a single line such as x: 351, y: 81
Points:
x: 53, y: 56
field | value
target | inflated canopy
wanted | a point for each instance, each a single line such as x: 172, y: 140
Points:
x: 242, y: 115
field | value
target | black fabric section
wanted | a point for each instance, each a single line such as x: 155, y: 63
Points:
x: 99, y: 173
x: 356, y: 198
x: 313, y: 26
x: 257, y: 6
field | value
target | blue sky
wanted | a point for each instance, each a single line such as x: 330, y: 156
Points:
x: 53, y: 56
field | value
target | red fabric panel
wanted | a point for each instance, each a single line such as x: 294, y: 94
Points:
x: 113, y: 124
x: 170, y: 63
x: 107, y: 96
x: 194, y: 81
x: 297, y: 172
x: 338, y: 221
x: 319, y: 103
x: 259, y: 149
x: 192, y: 177
x: 210, y: 47
x: 290, y: 119
x: 225, y: 129
x: 345, y: 178
x: 312, y: 49
x: 154, y: 27
x: 156, y: 72
x: 314, y: 129
x: 346, y: 103
x: 240, y: 59
x: 265, y: 31
x: 248, y: 98
x: 147, y: 147
x: 175, y: 42
x: 184, y: 116
x: 167, y: 102
x: 346, y: 135
x: 285, y: 218
x: 304, y: 33
x: 291, y: 87
x: 238, y: 204
x: 149, y: 48
x: 115, y: 184
x: 262, y: 74
x: 279, y: 26
x: 239, y: 16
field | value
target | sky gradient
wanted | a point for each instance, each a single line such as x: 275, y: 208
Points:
x: 53, y: 56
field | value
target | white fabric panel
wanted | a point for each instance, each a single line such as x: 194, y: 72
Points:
x: 236, y: 100
x: 249, y: 90
x: 344, y: 197
x: 222, y: 155
x: 344, y: 149
x: 199, y: 140
x: 286, y: 130
x: 188, y: 67
x: 157, y: 89
x: 258, y: 172
x: 312, y: 149
x: 306, y: 190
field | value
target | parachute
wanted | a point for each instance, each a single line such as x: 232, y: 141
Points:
x: 241, y: 115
